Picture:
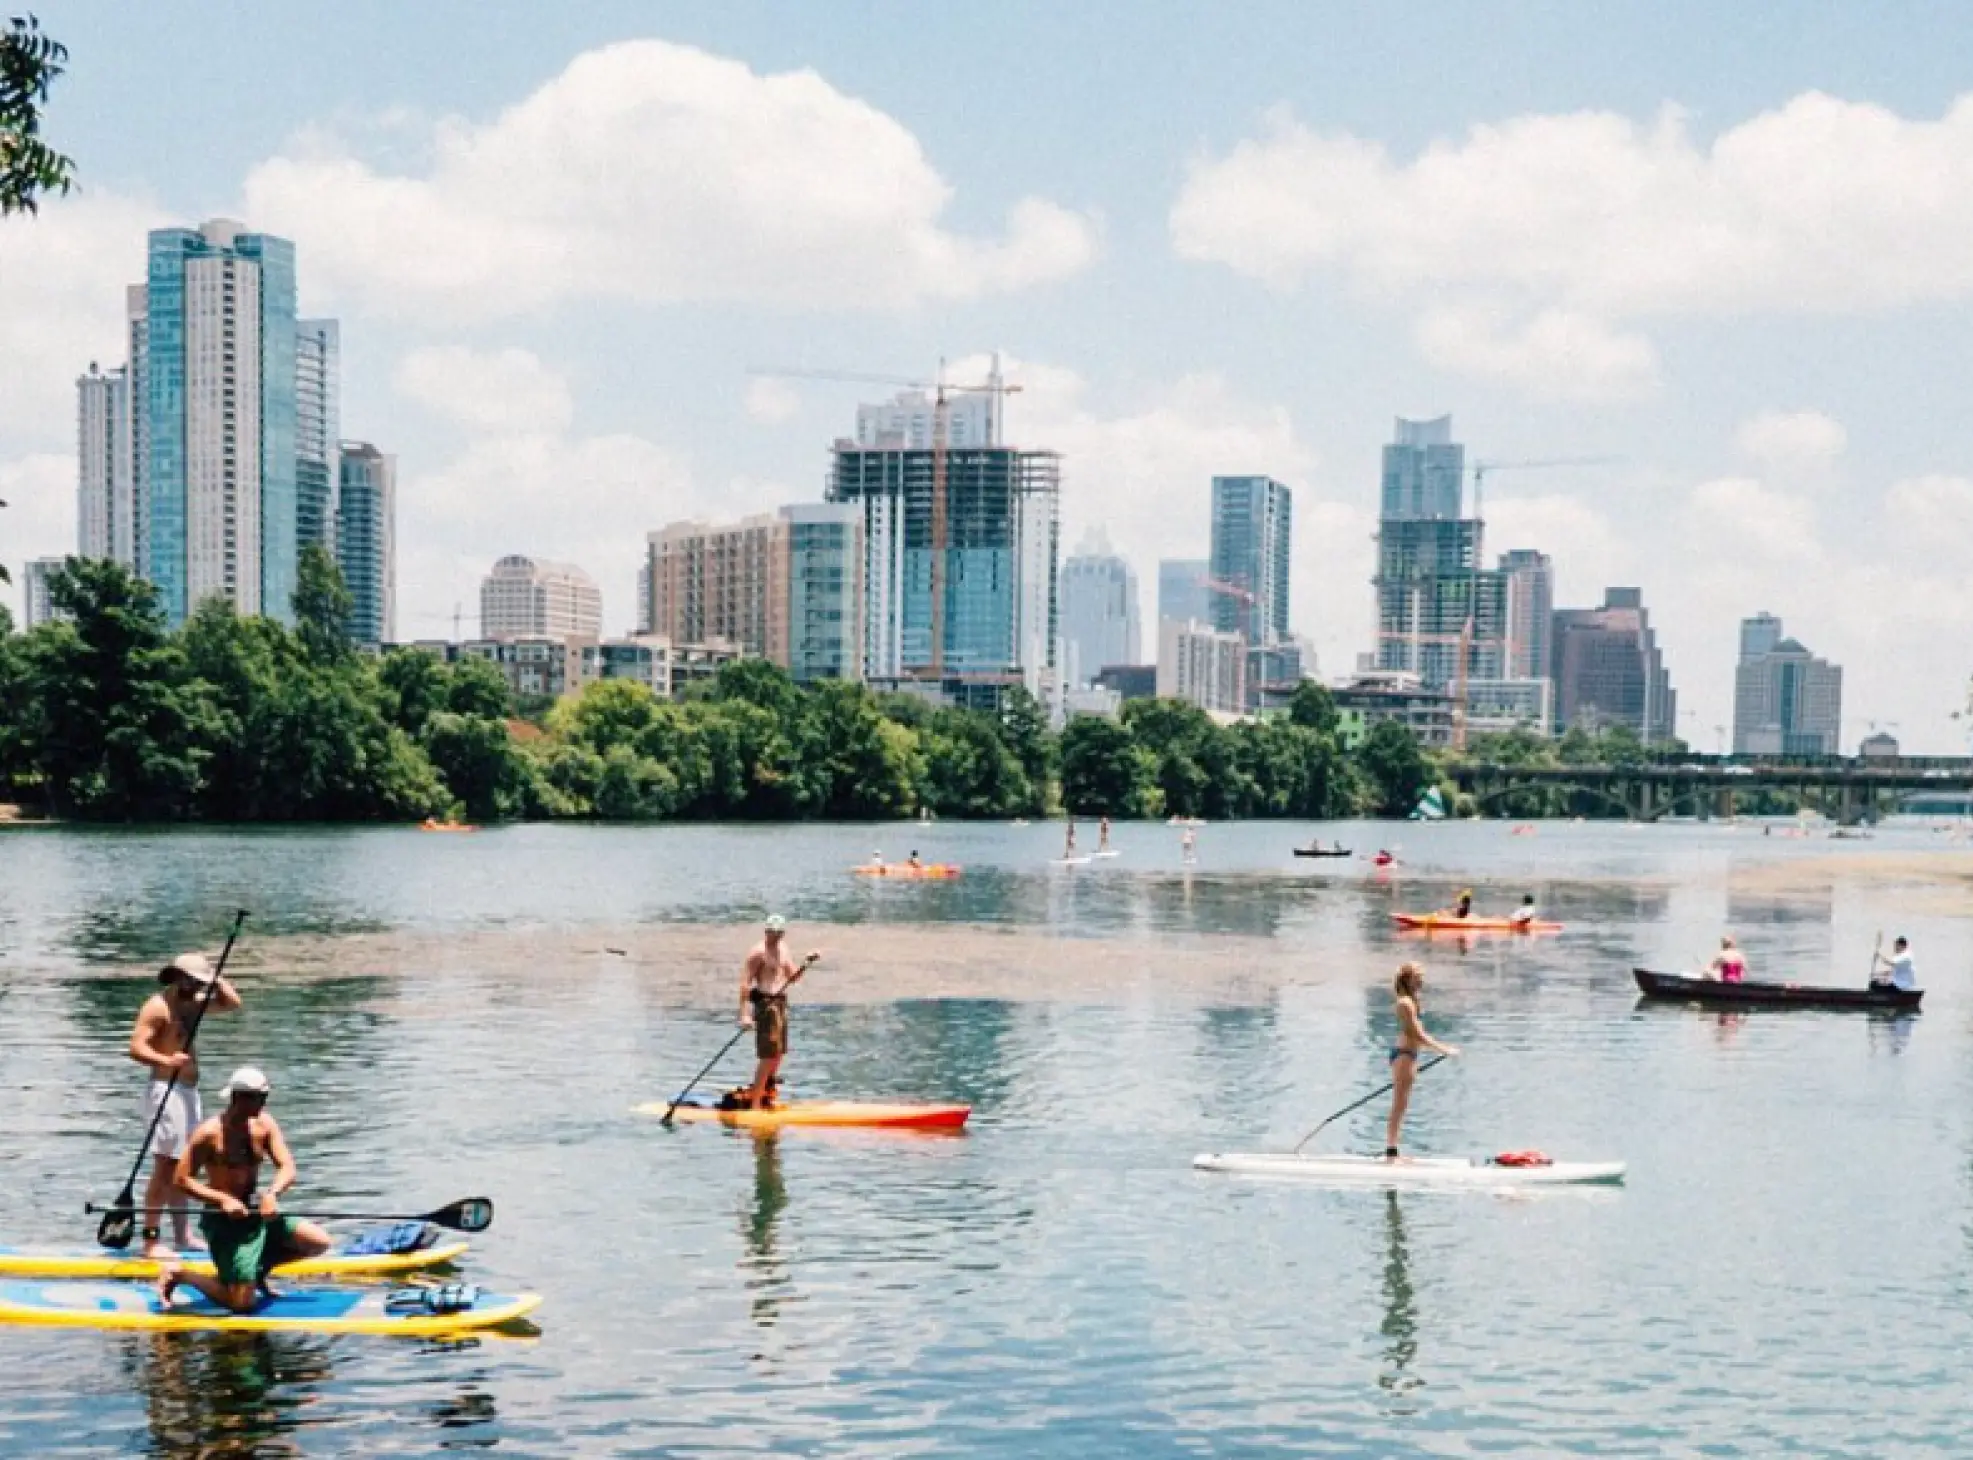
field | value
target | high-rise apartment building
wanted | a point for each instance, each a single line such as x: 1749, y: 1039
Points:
x: 722, y: 581
x: 1434, y: 600
x: 531, y: 598
x: 1785, y: 700
x: 825, y: 591
x: 1203, y: 666
x: 106, y: 486
x: 318, y: 423
x: 219, y: 407
x: 1608, y: 669
x: 981, y: 614
x: 1182, y: 592
x: 1099, y: 613
x: 1529, y: 579
x: 1251, y: 532
x: 910, y: 420
x: 1758, y: 636
x: 366, y: 540
x: 37, y: 603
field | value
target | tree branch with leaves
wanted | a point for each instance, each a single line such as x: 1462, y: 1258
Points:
x: 30, y: 169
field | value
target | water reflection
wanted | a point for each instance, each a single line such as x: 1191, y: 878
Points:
x: 227, y: 1393
x: 766, y: 1273
x: 1890, y: 1033
x: 1400, y: 1325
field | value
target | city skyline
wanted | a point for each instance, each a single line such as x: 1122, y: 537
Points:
x: 1761, y: 461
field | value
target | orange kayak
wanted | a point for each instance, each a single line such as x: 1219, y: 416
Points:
x: 824, y: 1113
x: 931, y: 871
x: 1439, y: 923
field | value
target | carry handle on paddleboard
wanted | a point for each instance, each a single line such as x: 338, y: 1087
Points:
x: 119, y: 1222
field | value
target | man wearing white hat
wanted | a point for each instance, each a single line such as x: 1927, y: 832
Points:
x: 764, y: 984
x: 244, y: 1229
x: 161, y: 1042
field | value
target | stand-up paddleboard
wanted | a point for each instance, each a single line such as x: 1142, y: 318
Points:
x: 1098, y: 856
x: 1434, y: 923
x: 1070, y: 861
x: 1477, y: 1171
x: 357, y: 1258
x: 823, y: 1113
x: 306, y: 1309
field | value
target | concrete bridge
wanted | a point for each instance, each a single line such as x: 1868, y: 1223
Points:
x: 1847, y: 790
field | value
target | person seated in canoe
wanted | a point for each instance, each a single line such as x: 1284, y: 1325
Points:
x: 1407, y: 989
x: 1896, y: 972
x: 912, y: 861
x: 1461, y: 909
x: 876, y: 863
x: 1729, y: 965
x: 1524, y: 915
x: 246, y: 1232
x: 764, y: 983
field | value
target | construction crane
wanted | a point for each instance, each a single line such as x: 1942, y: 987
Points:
x: 1481, y: 468
x: 992, y: 386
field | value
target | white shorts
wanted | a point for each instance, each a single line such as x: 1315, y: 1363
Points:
x: 181, y: 1117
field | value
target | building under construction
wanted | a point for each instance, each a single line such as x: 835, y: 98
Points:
x: 1434, y: 600
x: 979, y: 616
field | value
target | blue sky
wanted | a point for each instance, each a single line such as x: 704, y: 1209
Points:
x: 1728, y: 249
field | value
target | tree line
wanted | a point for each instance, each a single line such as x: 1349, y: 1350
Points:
x: 106, y: 714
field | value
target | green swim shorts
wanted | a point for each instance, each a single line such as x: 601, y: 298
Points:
x: 245, y: 1248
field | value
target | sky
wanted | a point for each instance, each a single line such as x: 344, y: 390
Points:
x: 1723, y: 252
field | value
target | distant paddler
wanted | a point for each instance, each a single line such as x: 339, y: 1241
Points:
x: 1523, y: 917
x: 1188, y: 845
x: 1729, y: 965
x: 1069, y: 843
x: 764, y: 983
x: 1896, y: 972
x: 161, y: 1042
x: 246, y: 1232
x: 1103, y: 835
x: 912, y: 861
x: 1462, y: 908
x: 1406, y: 991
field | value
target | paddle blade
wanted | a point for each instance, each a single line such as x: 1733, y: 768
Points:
x: 474, y: 1214
x: 119, y: 1224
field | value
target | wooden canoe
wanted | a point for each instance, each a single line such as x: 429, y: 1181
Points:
x: 1787, y: 995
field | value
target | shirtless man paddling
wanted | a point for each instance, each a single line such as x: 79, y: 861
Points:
x: 161, y: 1042
x: 764, y: 985
x: 247, y: 1233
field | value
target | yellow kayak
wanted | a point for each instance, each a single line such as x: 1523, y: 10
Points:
x: 308, y: 1309
x: 823, y: 1113
x: 77, y: 1263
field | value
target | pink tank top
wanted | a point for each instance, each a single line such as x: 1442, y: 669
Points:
x: 1733, y: 968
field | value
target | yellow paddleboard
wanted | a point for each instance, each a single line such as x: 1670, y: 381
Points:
x: 28, y: 1262
x: 309, y: 1309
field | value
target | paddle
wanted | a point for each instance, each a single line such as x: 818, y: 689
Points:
x: 469, y: 1214
x: 1876, y: 952
x: 726, y: 1047
x: 1383, y: 1089
x: 119, y: 1222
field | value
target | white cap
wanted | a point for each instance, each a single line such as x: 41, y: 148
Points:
x: 187, y: 965
x: 777, y: 924
x: 248, y: 1080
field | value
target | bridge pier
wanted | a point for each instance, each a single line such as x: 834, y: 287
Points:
x: 1723, y: 803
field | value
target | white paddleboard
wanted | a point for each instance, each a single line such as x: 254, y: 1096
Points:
x: 1451, y: 1171
x: 1070, y: 862
x: 1095, y: 855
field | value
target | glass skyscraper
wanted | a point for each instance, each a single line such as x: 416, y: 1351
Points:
x: 1249, y: 563
x: 318, y: 369
x: 366, y: 541
x: 1099, y: 613
x: 219, y: 419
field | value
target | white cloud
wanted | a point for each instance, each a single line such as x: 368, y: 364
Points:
x: 655, y: 173
x: 1556, y: 353
x: 498, y: 390
x: 1791, y: 440
x: 1742, y: 518
x: 772, y: 402
x: 62, y: 280
x: 1819, y: 206
x: 39, y: 519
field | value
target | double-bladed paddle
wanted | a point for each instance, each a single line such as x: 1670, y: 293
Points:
x: 470, y: 1214
x: 1436, y: 1059
x: 669, y: 1109
x: 119, y: 1222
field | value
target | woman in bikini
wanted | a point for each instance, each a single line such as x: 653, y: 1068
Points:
x: 1412, y: 1038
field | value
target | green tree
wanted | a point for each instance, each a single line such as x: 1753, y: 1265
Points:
x: 480, y: 764
x: 30, y: 61
x: 861, y: 762
x: 112, y: 724
x: 1395, y: 766
x: 475, y: 686
x: 1024, y: 731
x: 1105, y: 772
x: 1312, y: 707
x: 415, y: 684
x: 758, y: 682
x: 969, y: 770
x: 322, y: 605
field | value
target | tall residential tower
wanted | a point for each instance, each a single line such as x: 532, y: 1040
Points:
x: 366, y: 540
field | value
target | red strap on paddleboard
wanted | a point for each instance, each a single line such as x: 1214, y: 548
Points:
x: 1523, y: 1158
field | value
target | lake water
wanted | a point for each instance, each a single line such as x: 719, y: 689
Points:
x: 1786, y: 1270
